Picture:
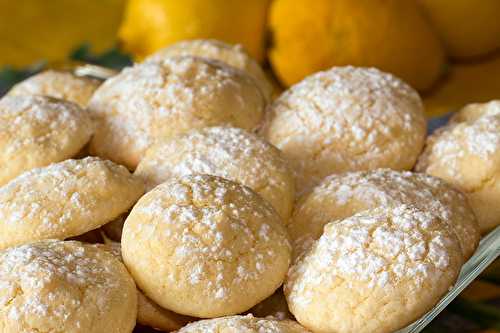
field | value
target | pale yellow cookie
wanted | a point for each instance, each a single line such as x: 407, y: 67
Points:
x: 374, y: 272
x: 243, y: 324
x: 155, y: 100
x: 232, y: 55
x: 227, y: 152
x: 343, y: 195
x: 36, y: 131
x: 204, y: 246
x: 347, y: 119
x: 148, y: 312
x: 59, y: 84
x: 466, y: 153
x: 61, y: 286
x: 275, y: 306
x: 65, y: 199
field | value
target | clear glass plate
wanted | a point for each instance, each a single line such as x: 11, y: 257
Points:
x: 486, y: 253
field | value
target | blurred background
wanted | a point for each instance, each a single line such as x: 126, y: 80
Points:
x: 447, y: 49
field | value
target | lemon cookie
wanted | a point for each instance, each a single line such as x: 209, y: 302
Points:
x: 36, y: 131
x: 376, y: 271
x: 466, y: 153
x: 347, y: 119
x: 64, y: 199
x: 232, y: 55
x: 160, y: 99
x: 61, y: 286
x: 204, y: 246
x: 342, y: 195
x: 243, y: 324
x: 58, y: 84
x: 231, y: 153
x: 148, y: 312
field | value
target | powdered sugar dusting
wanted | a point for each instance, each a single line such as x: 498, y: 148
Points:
x: 60, y: 200
x: 227, y: 152
x: 345, y: 119
x: 222, y: 238
x: 58, y: 84
x: 45, y: 129
x: 246, y: 323
x: 50, y: 281
x: 382, y: 248
x: 233, y: 55
x: 342, y: 195
x: 160, y: 99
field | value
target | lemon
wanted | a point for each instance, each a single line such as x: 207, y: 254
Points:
x: 465, y: 83
x: 392, y: 35
x: 468, y: 28
x: 152, y: 24
x: 34, y: 30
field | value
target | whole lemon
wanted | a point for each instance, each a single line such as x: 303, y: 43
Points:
x: 468, y: 27
x: 393, y: 35
x: 149, y: 25
x: 34, y: 30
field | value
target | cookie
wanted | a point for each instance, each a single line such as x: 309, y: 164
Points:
x: 346, y: 119
x: 204, y: 246
x: 148, y: 312
x: 231, y: 153
x: 59, y: 84
x: 36, y: 131
x: 65, y: 199
x: 466, y: 153
x: 243, y: 324
x: 232, y: 55
x: 154, y: 100
x: 62, y: 286
x: 342, y: 195
x: 376, y: 271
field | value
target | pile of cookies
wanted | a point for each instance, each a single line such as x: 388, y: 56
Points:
x: 182, y: 194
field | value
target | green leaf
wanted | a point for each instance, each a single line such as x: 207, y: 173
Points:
x: 10, y: 76
x: 111, y: 59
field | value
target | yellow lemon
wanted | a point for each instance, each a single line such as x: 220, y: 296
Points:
x: 393, y: 35
x: 33, y: 30
x: 465, y: 83
x: 152, y: 24
x: 468, y: 28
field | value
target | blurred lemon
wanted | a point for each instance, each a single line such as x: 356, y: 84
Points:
x: 465, y: 83
x: 32, y: 30
x: 468, y: 27
x: 312, y: 35
x: 152, y: 24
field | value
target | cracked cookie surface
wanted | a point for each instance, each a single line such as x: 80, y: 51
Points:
x: 58, y: 84
x: 340, y: 196
x: 243, y: 324
x: 346, y: 119
x: 466, y: 153
x: 227, y: 152
x: 37, y: 130
x: 154, y: 100
x: 232, y: 55
x: 376, y: 271
x: 205, y: 246
x: 65, y: 199
x: 65, y: 287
